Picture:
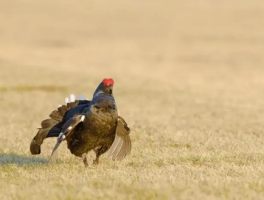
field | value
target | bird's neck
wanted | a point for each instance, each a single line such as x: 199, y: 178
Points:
x: 103, y: 100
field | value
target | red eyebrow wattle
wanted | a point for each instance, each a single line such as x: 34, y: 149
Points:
x: 108, y: 82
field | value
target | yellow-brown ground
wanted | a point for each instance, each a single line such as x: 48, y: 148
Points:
x: 189, y: 80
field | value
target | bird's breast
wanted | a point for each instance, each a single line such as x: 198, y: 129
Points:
x: 101, y: 120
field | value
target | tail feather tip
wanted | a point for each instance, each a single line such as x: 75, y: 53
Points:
x: 34, y: 148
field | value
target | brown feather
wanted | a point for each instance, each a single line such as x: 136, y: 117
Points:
x: 122, y: 143
x: 55, y: 114
x: 63, y: 109
x: 37, y: 141
x: 47, y: 123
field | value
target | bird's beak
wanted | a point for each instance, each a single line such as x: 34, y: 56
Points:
x: 111, y: 89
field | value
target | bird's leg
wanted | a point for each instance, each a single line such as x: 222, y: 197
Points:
x: 98, y: 152
x: 96, y: 161
x: 84, y: 158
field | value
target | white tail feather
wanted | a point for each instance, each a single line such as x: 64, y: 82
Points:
x: 81, y: 97
x: 67, y: 100
x: 72, y: 98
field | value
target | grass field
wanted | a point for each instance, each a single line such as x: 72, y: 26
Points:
x: 189, y: 80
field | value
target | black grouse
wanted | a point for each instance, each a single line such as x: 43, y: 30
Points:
x: 88, y: 125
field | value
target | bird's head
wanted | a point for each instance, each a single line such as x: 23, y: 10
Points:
x: 106, y: 86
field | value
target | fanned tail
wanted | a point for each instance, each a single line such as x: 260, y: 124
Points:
x: 52, y: 127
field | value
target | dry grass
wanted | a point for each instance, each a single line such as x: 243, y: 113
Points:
x: 29, y: 88
x: 189, y: 81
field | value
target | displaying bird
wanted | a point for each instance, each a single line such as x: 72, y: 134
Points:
x: 87, y: 125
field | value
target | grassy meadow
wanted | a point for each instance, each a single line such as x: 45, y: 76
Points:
x: 189, y: 80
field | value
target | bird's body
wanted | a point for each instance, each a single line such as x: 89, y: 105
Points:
x: 97, y: 132
x: 88, y: 125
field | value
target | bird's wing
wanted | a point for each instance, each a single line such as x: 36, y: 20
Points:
x: 122, y: 143
x: 67, y: 127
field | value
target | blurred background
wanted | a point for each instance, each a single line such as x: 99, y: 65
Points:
x: 172, y: 61
x: 189, y: 77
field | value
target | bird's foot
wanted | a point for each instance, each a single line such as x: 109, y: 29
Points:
x: 96, y: 161
x: 84, y: 158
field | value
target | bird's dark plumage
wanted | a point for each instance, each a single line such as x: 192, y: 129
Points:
x: 88, y: 125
